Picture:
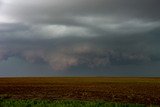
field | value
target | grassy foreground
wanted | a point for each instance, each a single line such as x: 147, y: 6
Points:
x: 69, y: 103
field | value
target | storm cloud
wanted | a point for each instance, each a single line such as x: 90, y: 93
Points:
x: 84, y: 34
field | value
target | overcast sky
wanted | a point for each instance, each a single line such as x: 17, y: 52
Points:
x: 79, y: 38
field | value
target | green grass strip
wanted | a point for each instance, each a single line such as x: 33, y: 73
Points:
x: 64, y: 103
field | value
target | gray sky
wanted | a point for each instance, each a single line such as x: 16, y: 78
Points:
x: 79, y: 38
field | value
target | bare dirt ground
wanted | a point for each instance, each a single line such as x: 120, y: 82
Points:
x: 130, y: 90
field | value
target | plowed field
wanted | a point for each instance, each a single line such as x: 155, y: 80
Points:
x: 127, y: 90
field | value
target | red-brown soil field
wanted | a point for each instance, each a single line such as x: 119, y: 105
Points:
x: 130, y: 90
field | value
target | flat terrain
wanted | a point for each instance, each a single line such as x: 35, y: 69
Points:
x: 130, y: 90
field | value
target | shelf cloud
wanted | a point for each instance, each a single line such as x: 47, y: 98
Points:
x: 83, y: 34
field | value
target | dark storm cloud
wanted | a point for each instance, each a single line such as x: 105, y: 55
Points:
x: 90, y: 17
x: 12, y: 27
x: 92, y: 52
x: 91, y: 34
x: 53, y: 9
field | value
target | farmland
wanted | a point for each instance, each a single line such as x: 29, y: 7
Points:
x: 124, y: 90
